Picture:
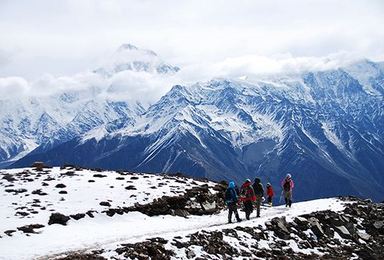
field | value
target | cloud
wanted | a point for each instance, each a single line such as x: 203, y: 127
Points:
x: 70, y: 36
x: 13, y: 87
x: 57, y: 43
x: 148, y: 87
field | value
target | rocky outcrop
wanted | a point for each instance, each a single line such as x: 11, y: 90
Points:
x: 198, y: 200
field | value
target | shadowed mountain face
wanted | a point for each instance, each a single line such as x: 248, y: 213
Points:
x: 326, y: 128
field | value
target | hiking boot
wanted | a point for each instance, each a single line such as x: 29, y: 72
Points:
x: 238, y: 220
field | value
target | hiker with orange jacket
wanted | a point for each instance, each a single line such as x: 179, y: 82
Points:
x: 270, y: 194
x: 247, y: 196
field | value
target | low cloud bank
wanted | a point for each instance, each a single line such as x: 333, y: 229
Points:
x: 148, y: 87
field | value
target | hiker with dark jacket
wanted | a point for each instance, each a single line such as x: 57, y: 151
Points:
x: 231, y: 200
x: 287, y: 185
x: 259, y: 193
x: 270, y: 194
x: 247, y: 197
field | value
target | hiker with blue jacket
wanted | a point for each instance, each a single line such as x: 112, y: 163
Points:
x: 231, y: 199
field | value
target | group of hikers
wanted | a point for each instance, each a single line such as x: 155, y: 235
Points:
x: 251, y: 195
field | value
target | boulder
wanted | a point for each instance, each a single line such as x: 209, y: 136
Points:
x: 316, y: 227
x: 378, y: 224
x: 30, y: 228
x: 60, y: 186
x: 363, y: 235
x: 9, y: 232
x: 105, y: 203
x: 343, y: 232
x: 39, y: 166
x: 39, y: 192
x: 78, y: 216
x: 279, y: 227
x: 58, y: 218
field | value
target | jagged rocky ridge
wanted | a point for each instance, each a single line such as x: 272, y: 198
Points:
x: 355, y: 232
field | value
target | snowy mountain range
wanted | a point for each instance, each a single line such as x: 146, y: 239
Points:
x: 325, y: 127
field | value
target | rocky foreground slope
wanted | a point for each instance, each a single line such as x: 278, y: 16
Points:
x: 76, y: 213
x: 353, y: 233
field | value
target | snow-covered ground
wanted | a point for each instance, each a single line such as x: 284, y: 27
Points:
x: 103, y: 231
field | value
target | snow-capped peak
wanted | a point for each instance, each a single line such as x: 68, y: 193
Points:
x: 131, y: 58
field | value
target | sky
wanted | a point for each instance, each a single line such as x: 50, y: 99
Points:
x: 206, y: 38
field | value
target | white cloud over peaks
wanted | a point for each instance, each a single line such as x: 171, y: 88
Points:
x: 285, y: 63
x: 12, y: 87
x: 147, y: 87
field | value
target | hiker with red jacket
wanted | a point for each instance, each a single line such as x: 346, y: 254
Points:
x: 287, y: 185
x: 270, y: 194
x: 247, y: 197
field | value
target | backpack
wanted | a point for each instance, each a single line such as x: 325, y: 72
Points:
x: 228, y: 195
x: 287, y: 185
x: 258, y: 189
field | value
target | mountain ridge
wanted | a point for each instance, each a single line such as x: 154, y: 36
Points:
x: 318, y: 125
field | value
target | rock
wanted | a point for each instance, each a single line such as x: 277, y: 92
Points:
x: 176, y: 202
x: 58, y: 218
x: 98, y: 175
x: 30, y: 228
x: 16, y: 191
x: 145, y: 250
x: 378, y: 224
x: 302, y: 223
x: 68, y: 173
x: 343, y: 232
x: 90, y: 213
x: 189, y: 253
x: 60, y: 186
x: 39, y: 192
x: 21, y: 213
x: 316, y: 227
x: 181, y: 213
x: 9, y: 232
x: 78, y: 216
x: 130, y: 187
x: 105, y: 203
x: 363, y: 236
x: 39, y: 166
x: 209, y: 207
x: 9, y: 177
x: 278, y: 225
